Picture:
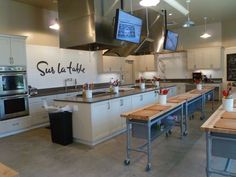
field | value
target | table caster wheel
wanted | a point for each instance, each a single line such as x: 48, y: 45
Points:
x: 185, y: 133
x: 148, y: 167
x: 201, y: 118
x: 127, y: 162
x: 167, y: 135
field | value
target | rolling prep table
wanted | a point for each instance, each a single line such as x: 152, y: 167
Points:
x: 144, y: 121
x: 220, y: 131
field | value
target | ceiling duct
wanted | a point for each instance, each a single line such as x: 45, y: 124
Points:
x: 89, y: 25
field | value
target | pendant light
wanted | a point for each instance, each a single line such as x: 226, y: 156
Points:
x: 55, y: 25
x: 205, y: 35
x: 149, y: 3
x: 188, y: 23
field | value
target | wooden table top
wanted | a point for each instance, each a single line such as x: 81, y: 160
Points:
x: 221, y: 122
x: 149, y: 112
x: 7, y: 172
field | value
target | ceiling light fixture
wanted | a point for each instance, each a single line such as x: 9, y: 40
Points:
x: 188, y: 23
x: 205, y: 35
x: 170, y: 14
x: 149, y: 3
x: 177, y: 6
x: 55, y: 25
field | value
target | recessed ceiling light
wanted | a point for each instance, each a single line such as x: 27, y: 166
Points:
x: 170, y: 14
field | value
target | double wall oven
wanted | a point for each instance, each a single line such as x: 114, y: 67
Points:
x: 13, y: 92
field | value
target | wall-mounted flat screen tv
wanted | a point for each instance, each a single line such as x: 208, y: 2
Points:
x: 171, y: 40
x: 127, y: 27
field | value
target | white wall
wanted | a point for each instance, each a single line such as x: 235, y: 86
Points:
x: 55, y: 55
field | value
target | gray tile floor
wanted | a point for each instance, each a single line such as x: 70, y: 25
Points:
x: 33, y: 155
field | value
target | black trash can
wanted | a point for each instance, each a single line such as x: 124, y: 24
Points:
x: 61, y: 127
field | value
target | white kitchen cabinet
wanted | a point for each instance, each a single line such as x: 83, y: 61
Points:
x: 110, y: 64
x: 119, y: 106
x: 101, y: 113
x: 146, y: 63
x: 180, y: 88
x: 172, y: 92
x: 204, y: 58
x: 144, y: 99
x: 14, y: 125
x: 13, y: 50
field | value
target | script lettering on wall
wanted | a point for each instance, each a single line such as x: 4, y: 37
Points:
x: 44, y: 68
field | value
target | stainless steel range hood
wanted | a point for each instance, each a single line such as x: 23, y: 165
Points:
x: 89, y: 25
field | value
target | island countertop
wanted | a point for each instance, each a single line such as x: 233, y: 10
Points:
x: 80, y: 99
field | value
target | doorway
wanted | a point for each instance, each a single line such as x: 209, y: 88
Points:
x: 128, y: 74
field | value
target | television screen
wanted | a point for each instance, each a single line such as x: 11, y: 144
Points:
x: 127, y: 27
x: 171, y: 40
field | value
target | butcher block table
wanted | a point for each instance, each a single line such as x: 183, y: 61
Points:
x: 220, y: 131
x: 146, y: 121
x: 7, y: 172
x: 146, y: 125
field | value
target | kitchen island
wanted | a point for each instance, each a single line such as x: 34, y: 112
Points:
x: 98, y: 119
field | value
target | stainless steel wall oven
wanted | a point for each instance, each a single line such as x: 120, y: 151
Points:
x: 13, y: 92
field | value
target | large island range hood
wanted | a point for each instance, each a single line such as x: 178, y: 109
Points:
x: 89, y: 25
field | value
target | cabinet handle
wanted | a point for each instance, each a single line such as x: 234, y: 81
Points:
x: 121, y: 102
x: 141, y: 97
x: 109, y: 106
x: 15, y: 124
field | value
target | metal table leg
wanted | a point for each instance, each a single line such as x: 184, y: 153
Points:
x: 203, y: 107
x: 149, y: 148
x: 208, y: 152
x: 181, y: 122
x: 213, y: 98
x: 128, y: 144
x: 186, y: 118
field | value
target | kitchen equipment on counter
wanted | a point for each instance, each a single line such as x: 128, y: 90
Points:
x: 14, y: 106
x: 13, y: 80
x: 32, y: 90
x: 197, y: 76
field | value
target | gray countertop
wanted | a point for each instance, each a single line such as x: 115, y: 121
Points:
x: 79, y: 99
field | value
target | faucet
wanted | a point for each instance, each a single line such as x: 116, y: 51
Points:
x: 76, y: 86
x: 66, y: 81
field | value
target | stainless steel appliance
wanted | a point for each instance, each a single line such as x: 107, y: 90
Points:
x: 13, y: 80
x: 14, y: 106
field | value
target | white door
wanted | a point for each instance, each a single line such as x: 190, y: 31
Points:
x: 128, y: 72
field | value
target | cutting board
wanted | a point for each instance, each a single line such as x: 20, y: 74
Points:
x: 175, y: 101
x: 197, y: 91
x: 229, y: 115
x: 226, y: 124
x: 143, y: 114
x: 184, y: 97
x: 158, y: 107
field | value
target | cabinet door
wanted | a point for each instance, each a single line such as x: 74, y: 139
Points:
x: 119, y: 106
x: 150, y: 63
x: 141, y: 63
x: 100, y: 119
x: 138, y: 101
x: 191, y: 64
x: 18, y: 51
x: 214, y: 56
x: 5, y: 50
x: 150, y: 98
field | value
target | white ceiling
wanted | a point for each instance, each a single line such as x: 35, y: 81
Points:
x: 215, y: 10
